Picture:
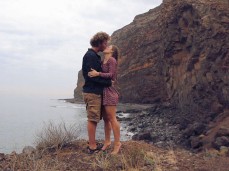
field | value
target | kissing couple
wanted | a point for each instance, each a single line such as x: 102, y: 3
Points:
x: 99, y: 93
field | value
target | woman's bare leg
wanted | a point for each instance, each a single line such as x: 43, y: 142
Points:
x: 107, y: 130
x: 111, y: 114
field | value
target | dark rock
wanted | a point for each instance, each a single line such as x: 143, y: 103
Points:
x: 118, y: 118
x: 132, y: 129
x: 123, y: 118
x: 120, y: 114
x: 166, y: 104
x: 223, y: 131
x: 217, y: 107
x: 196, y: 142
x: 194, y: 129
x: 162, y: 138
x: 142, y: 136
x: 2, y: 156
x: 132, y: 111
x: 130, y: 124
x: 152, y: 109
x: 141, y: 126
x: 143, y: 114
x: 221, y: 141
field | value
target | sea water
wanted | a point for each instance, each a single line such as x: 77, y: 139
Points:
x: 22, y: 118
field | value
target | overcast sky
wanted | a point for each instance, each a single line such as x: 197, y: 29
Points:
x: 42, y: 42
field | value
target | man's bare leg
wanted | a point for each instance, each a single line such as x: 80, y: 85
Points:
x: 91, y: 128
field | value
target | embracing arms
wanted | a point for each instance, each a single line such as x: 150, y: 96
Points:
x: 91, y: 62
x: 112, y: 67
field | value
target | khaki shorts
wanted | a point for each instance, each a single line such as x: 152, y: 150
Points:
x: 93, y: 106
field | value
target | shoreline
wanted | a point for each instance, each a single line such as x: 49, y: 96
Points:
x: 124, y: 107
x: 148, y: 122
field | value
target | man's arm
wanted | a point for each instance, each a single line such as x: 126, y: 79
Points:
x: 90, y: 62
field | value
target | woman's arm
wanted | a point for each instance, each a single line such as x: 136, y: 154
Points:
x: 112, y: 66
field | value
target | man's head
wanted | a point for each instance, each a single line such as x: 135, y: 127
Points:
x: 100, y: 41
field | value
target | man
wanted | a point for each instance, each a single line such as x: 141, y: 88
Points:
x: 93, y: 87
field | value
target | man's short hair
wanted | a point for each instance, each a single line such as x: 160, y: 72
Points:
x: 99, y: 38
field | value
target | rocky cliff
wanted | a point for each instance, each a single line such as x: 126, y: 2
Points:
x: 177, y: 53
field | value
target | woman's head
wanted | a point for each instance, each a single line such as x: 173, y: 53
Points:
x: 100, y: 40
x: 113, y: 50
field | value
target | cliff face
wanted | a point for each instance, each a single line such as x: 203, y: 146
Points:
x: 196, y: 57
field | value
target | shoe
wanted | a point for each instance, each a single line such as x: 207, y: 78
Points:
x: 92, y: 151
x: 98, y: 148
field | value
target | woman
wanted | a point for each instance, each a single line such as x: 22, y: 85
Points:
x: 110, y: 97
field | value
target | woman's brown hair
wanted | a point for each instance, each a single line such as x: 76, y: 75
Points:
x: 115, y: 53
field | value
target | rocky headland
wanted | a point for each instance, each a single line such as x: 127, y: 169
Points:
x: 175, y: 57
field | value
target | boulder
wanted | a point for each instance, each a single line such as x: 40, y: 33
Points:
x: 2, y: 156
x: 194, y: 129
x: 142, y: 136
x: 196, y: 142
x: 224, y: 151
x: 223, y: 131
x: 28, y: 150
x: 221, y: 141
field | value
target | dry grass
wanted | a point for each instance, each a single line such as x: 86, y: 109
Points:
x: 134, y: 156
x: 55, y: 136
x: 28, y: 162
x: 130, y: 159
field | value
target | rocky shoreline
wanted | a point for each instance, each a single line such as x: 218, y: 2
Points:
x: 164, y: 125
x: 152, y: 124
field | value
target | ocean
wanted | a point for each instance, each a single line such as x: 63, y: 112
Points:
x: 23, y: 117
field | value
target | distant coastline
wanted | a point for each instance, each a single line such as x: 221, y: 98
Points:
x: 73, y: 100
